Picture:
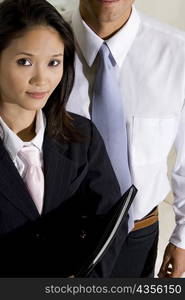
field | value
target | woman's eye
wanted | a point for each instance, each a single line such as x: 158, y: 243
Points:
x: 54, y: 63
x: 24, y: 62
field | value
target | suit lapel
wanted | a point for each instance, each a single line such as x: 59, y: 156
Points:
x: 13, y: 187
x: 58, y: 170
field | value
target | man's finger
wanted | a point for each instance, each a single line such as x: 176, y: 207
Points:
x: 164, y: 267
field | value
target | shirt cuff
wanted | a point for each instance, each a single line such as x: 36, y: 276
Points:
x: 178, y: 236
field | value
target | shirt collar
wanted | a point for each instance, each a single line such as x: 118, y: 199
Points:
x: 39, y: 129
x: 14, y: 144
x: 90, y: 43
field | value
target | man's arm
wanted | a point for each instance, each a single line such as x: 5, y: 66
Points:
x: 174, y: 257
x: 173, y: 262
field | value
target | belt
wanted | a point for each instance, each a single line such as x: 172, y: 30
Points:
x: 150, y: 219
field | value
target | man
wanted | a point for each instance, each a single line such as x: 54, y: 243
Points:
x: 149, y: 60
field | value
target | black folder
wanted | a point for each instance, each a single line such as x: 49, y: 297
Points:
x: 69, y: 243
x: 107, y: 231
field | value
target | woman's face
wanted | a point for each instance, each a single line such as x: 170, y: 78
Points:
x: 31, y: 67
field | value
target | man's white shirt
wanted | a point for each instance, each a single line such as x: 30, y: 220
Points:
x: 150, y: 59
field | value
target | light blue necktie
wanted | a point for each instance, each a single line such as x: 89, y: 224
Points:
x: 108, y: 116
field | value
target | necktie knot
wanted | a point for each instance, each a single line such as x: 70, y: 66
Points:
x: 106, y: 57
x: 34, y: 177
x: 104, y: 51
x: 31, y: 155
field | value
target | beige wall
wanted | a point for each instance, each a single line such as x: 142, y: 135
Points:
x: 169, y: 11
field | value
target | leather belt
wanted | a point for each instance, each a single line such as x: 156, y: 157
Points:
x: 148, y: 220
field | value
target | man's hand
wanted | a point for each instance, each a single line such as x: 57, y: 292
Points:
x: 173, y: 265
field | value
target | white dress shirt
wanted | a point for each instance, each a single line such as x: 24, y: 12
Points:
x: 14, y: 144
x: 150, y: 59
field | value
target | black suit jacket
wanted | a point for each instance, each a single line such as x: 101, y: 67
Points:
x: 79, y: 181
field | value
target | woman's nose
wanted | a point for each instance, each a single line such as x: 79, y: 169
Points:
x: 39, y: 78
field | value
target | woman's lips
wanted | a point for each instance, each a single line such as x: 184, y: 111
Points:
x: 37, y: 95
x: 108, y: 1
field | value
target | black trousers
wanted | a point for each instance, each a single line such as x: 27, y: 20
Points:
x: 138, y: 254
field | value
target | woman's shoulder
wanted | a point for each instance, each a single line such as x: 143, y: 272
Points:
x: 82, y: 124
x: 79, y: 120
x: 85, y: 126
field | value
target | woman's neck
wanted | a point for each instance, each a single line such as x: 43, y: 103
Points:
x: 22, y: 123
x: 27, y: 134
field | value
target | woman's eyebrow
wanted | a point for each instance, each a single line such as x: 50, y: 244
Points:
x: 59, y: 54
x: 30, y: 54
x: 24, y: 53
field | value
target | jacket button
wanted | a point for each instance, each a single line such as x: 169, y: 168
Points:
x: 83, y: 234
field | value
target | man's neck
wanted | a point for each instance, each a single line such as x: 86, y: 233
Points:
x: 106, y: 29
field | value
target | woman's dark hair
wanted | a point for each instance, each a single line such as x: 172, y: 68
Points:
x: 18, y: 16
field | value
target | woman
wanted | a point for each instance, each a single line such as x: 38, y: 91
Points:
x: 53, y: 166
